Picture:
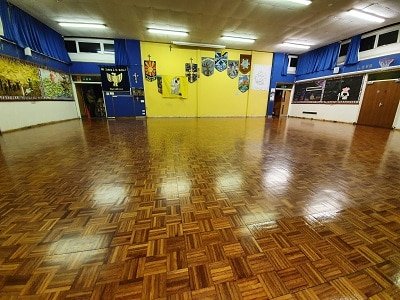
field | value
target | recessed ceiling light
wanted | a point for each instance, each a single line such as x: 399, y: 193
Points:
x: 200, y: 45
x: 238, y: 39
x: 82, y: 25
x: 365, y: 16
x: 168, y: 32
x: 304, y: 2
x: 297, y: 46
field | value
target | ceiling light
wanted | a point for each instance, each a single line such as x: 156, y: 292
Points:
x: 82, y: 25
x: 297, y: 46
x: 198, y: 45
x: 365, y: 16
x: 304, y: 2
x: 238, y: 39
x: 167, y: 31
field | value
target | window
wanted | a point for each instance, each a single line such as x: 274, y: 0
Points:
x: 367, y: 43
x: 89, y: 47
x: 1, y: 28
x: 71, y: 46
x: 343, y: 49
x: 388, y: 38
x: 293, y: 62
x: 108, y: 48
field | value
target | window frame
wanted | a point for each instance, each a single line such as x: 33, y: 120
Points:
x: 101, y: 56
x: 291, y: 70
x: 384, y: 49
x: 342, y: 59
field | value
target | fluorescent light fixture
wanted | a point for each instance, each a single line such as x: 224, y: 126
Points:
x: 168, y: 32
x: 365, y: 16
x: 238, y: 39
x: 200, y: 45
x: 304, y: 2
x: 82, y: 25
x: 297, y: 46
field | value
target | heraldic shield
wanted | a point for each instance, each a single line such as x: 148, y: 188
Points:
x: 150, y: 70
x: 245, y: 63
x: 233, y: 68
x: 244, y: 83
x: 191, y: 72
x: 221, y: 61
x: 207, y: 66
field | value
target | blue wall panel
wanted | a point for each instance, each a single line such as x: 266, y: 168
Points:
x: 86, y: 68
x: 277, y: 77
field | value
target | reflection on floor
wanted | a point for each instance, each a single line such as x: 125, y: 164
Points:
x: 197, y: 208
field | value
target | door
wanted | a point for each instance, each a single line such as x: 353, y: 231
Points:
x: 380, y: 103
x: 285, y: 103
x: 90, y: 99
x: 278, y: 103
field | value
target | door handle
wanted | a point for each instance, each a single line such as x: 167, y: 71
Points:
x: 380, y: 104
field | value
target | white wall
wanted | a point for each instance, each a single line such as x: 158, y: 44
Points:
x: 347, y: 113
x: 396, y: 123
x: 14, y: 115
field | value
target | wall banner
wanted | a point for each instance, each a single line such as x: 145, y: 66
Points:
x: 115, y: 79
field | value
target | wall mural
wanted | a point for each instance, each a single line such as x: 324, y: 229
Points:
x: 24, y: 81
x: 55, y: 85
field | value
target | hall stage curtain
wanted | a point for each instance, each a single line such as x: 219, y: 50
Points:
x: 29, y: 32
x: 352, y: 52
x: 121, y: 52
x: 5, y: 20
x: 321, y: 59
x: 127, y: 52
x: 285, y: 64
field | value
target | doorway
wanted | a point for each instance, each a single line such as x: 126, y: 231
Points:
x: 281, y: 103
x: 90, y: 99
x: 380, y: 103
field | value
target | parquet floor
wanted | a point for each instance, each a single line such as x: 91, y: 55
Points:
x: 200, y: 209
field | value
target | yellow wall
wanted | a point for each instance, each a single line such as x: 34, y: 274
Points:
x: 258, y: 100
x: 216, y: 95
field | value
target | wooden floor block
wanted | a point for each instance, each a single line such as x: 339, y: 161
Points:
x: 230, y: 208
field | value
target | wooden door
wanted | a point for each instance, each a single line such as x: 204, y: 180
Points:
x: 285, y: 103
x: 380, y: 103
x: 278, y: 103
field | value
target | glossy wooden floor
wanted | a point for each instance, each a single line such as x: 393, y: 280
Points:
x: 200, y: 209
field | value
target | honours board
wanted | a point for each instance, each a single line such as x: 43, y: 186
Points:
x: 343, y: 89
x: 308, y: 91
x: 333, y: 90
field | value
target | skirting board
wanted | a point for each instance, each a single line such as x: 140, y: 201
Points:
x: 37, y: 125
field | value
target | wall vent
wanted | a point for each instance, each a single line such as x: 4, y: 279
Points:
x: 309, y: 112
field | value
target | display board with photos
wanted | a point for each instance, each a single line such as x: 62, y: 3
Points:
x: 22, y: 81
x: 343, y: 89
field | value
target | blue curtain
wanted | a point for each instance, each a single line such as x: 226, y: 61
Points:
x: 29, y: 32
x: 352, y: 53
x: 121, y: 53
x: 126, y: 52
x: 285, y: 64
x: 5, y: 19
x: 320, y: 59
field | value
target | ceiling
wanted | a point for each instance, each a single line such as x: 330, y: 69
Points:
x: 270, y: 21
